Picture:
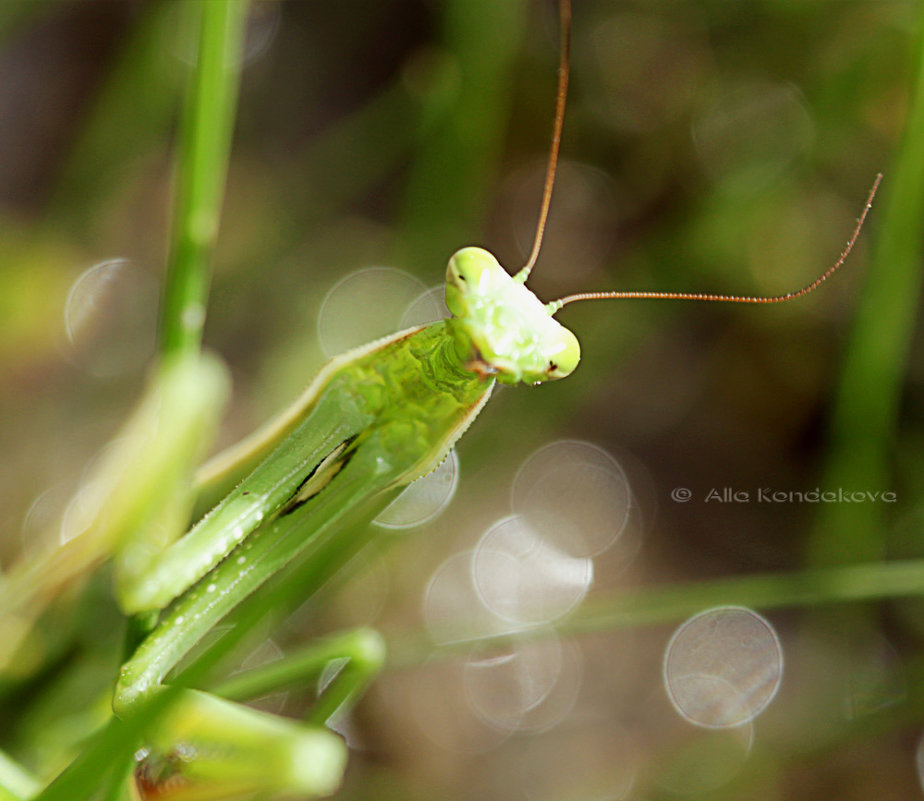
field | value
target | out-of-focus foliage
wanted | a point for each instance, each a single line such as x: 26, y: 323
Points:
x: 719, y: 146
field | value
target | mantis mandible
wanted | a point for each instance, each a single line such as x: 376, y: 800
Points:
x: 374, y: 420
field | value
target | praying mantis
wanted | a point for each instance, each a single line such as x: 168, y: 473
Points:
x: 375, y: 419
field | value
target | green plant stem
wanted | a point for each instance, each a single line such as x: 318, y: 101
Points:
x: 362, y: 651
x: 646, y: 607
x: 865, y: 412
x: 660, y: 605
x: 806, y: 588
x: 205, y: 141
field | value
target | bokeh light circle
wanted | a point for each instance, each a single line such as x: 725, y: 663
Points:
x: 723, y: 667
x: 575, y: 495
x: 452, y: 608
x: 524, y: 579
x: 364, y: 306
x: 502, y: 688
x: 534, y: 686
x: 443, y: 711
x: 423, y: 499
x: 110, y: 318
x: 428, y: 307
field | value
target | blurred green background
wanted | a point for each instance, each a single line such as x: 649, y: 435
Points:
x: 714, y: 147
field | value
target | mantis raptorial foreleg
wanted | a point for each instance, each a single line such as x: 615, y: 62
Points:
x: 319, y: 483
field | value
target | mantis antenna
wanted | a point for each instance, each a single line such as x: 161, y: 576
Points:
x: 561, y: 95
x: 554, y: 306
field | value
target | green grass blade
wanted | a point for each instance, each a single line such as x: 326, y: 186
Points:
x: 205, y: 141
x: 865, y: 412
x: 851, y: 583
x: 673, y: 603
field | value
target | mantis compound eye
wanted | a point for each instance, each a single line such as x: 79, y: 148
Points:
x: 566, y: 357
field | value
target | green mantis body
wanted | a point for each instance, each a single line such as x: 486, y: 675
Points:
x: 370, y: 424
x: 375, y: 419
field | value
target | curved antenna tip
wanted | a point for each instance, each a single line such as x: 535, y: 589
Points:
x: 716, y: 298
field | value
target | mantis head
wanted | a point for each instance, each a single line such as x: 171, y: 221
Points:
x: 512, y: 332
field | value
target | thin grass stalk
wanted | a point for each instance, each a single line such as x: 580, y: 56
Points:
x: 864, y: 417
x: 204, y: 146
